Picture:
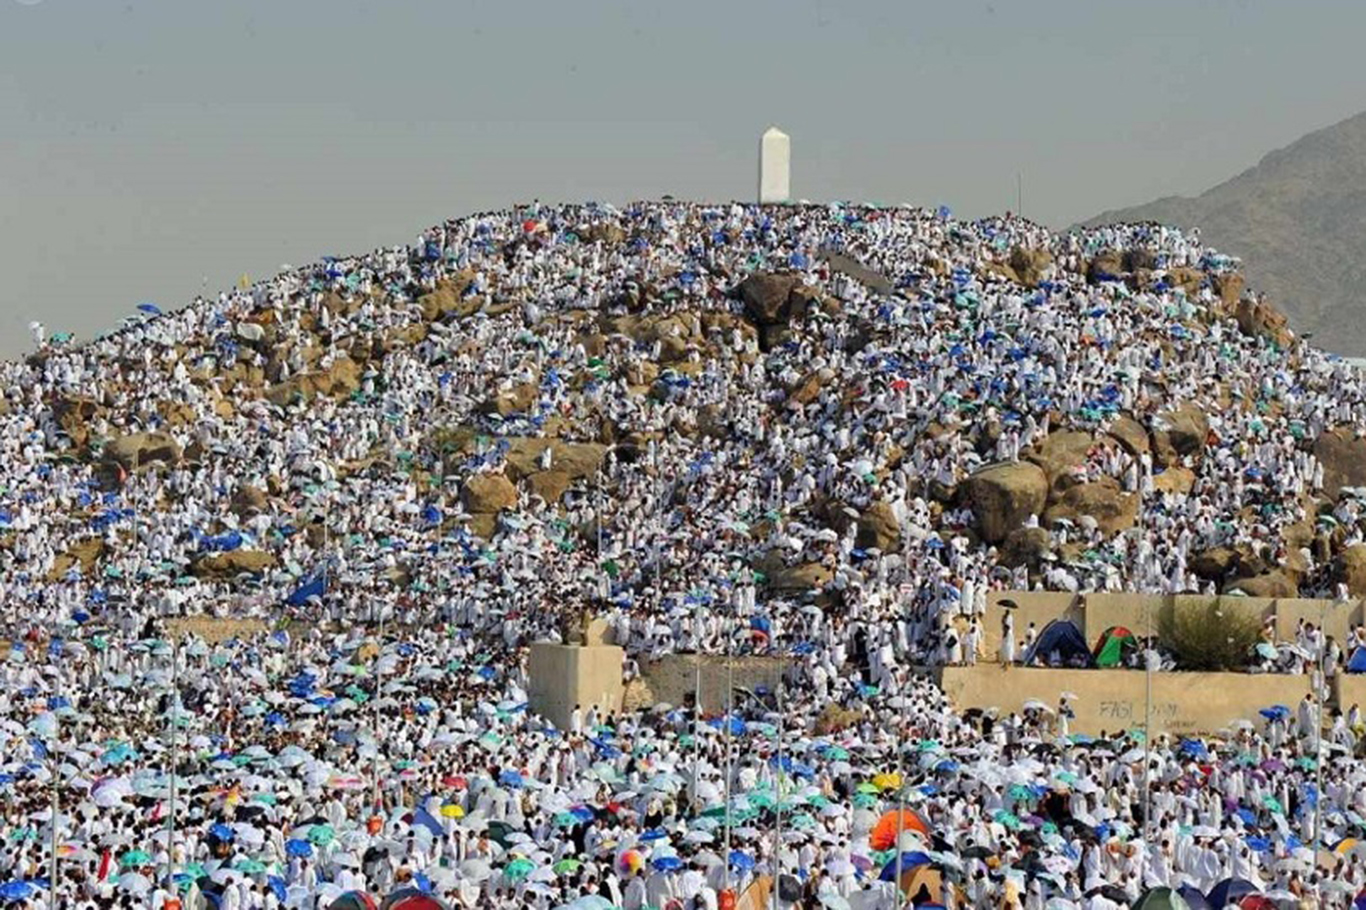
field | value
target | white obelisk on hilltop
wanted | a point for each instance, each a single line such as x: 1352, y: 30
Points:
x: 775, y: 166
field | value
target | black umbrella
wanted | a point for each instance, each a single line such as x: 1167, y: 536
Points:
x: 789, y: 888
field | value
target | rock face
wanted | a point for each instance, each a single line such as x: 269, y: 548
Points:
x: 218, y: 566
x: 86, y: 554
x: 549, y: 485
x: 878, y: 527
x: 488, y: 493
x: 1025, y: 547
x: 1214, y: 564
x: 339, y: 379
x: 1002, y: 496
x: 1343, y: 457
x: 1351, y: 569
x: 516, y: 400
x: 774, y: 301
x: 1058, y: 454
x: 1268, y: 584
x: 1261, y: 320
x: 1030, y: 265
x: 1102, y: 501
x: 1174, y: 480
x: 1130, y: 434
x: 248, y: 500
x: 141, y: 449
x: 574, y: 459
x: 795, y: 579
x: 1185, y: 431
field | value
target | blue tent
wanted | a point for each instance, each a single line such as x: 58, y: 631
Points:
x: 1358, y: 662
x: 1061, y: 636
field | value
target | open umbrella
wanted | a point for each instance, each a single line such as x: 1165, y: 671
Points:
x: 354, y: 900
x: 1230, y: 891
x: 413, y: 899
x: 1162, y: 899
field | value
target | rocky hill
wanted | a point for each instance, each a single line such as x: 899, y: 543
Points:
x: 675, y: 403
x: 1298, y: 221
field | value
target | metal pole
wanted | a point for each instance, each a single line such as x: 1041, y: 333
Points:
x: 175, y: 758
x: 379, y: 683
x: 1147, y: 729
x: 1318, y: 741
x: 900, y: 812
x: 730, y: 711
x: 52, y: 840
x: 778, y: 796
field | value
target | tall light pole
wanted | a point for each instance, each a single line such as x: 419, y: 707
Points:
x: 175, y: 758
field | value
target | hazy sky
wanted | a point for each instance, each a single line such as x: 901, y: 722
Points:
x: 149, y: 146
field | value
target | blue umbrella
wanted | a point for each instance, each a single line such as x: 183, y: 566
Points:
x: 667, y: 863
x: 150, y: 308
x: 16, y: 891
x: 742, y: 861
x: 300, y: 848
x: 510, y: 779
x: 909, y: 860
x: 277, y: 885
x: 221, y: 831
x: 1230, y: 891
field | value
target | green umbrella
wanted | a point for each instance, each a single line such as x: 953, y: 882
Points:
x: 135, y: 858
x: 320, y: 835
x: 519, y: 869
x: 565, y: 865
x: 250, y: 866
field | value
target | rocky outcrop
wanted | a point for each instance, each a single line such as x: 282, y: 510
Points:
x: 1268, y: 584
x: 798, y: 579
x: 516, y: 400
x: 1350, y: 569
x: 1025, y: 547
x: 138, y: 450
x: 1002, y: 496
x: 878, y: 527
x: 1181, y: 433
x: 1343, y: 457
x: 248, y: 500
x: 1030, y: 265
x: 341, y: 378
x: 1261, y: 320
x: 1101, y: 501
x: 84, y: 554
x: 223, y: 566
x: 488, y: 493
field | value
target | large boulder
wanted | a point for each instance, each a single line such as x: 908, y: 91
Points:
x: 575, y: 459
x: 1176, y: 480
x: 488, y: 493
x: 1058, y: 454
x: 1261, y: 320
x: 808, y: 389
x: 878, y: 527
x: 1351, y: 569
x: 221, y: 566
x: 137, y: 450
x: 1182, y: 432
x: 1268, y: 584
x: 1130, y: 434
x: 84, y: 553
x: 248, y: 500
x: 1214, y: 564
x: 549, y: 485
x: 340, y: 378
x: 516, y: 400
x: 766, y: 297
x: 1111, y: 508
x: 1108, y: 265
x: 449, y: 297
x: 798, y: 579
x: 1343, y: 456
x: 1026, y: 547
x: 1002, y: 496
x: 1030, y: 265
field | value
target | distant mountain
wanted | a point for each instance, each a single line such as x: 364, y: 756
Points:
x: 1298, y: 221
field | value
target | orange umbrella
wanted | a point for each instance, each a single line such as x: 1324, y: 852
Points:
x: 888, y: 828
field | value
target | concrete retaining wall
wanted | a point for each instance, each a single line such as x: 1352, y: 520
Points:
x: 1111, y: 700
x: 563, y: 676
x: 674, y: 677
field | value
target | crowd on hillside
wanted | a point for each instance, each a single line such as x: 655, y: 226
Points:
x: 469, y: 441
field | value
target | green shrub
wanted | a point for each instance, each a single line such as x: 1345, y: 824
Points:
x: 1212, y: 636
